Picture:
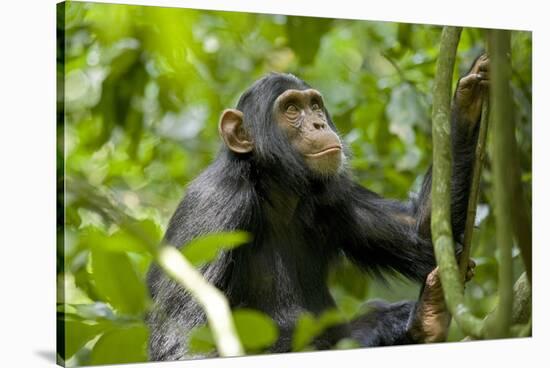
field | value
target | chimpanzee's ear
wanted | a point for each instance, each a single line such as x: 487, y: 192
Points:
x: 232, y: 131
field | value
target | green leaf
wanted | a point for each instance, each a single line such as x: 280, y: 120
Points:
x: 348, y: 276
x: 117, y: 282
x: 121, y: 240
x: 125, y: 345
x: 78, y: 333
x: 256, y: 329
x: 118, y: 242
x: 308, y: 327
x: 347, y: 304
x: 94, y: 312
x: 201, y: 340
x: 330, y: 318
x: 151, y: 229
x: 305, y: 36
x: 347, y: 343
x: 205, y: 248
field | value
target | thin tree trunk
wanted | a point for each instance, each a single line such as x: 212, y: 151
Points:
x: 521, y: 308
x: 441, y: 187
x: 502, y: 126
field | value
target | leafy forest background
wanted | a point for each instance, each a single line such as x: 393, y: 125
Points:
x: 141, y: 91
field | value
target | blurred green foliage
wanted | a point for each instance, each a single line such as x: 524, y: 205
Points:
x: 141, y: 91
x: 205, y: 249
x: 255, y: 329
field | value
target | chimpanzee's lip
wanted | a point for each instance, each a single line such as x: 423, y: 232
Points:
x: 330, y: 149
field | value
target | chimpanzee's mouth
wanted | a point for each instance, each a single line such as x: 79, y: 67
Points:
x: 325, y: 151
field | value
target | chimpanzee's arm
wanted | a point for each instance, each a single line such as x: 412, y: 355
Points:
x: 385, y: 324
x: 386, y: 234
x: 426, y: 320
x: 465, y: 117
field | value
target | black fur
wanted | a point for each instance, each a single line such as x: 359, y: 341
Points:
x: 300, y: 224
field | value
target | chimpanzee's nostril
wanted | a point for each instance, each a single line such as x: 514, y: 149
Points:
x: 318, y: 125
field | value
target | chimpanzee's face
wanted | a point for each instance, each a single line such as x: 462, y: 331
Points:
x: 301, y: 115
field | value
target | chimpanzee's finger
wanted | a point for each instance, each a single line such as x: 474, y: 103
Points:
x: 469, y: 81
x: 483, y: 76
x: 433, y: 278
x: 484, y: 65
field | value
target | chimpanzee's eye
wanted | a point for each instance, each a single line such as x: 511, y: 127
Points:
x: 315, y: 106
x: 292, y: 109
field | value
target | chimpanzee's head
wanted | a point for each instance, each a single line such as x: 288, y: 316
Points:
x: 282, y: 121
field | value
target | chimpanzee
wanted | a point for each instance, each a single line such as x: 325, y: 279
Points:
x: 282, y: 175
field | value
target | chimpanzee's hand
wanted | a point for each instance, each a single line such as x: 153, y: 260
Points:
x: 432, y: 319
x: 470, y: 91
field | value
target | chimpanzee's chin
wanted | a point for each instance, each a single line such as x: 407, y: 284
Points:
x: 327, y: 166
